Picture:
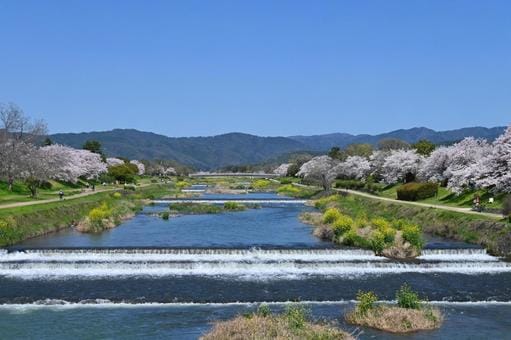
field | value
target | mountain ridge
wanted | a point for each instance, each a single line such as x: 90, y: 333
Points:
x: 234, y: 148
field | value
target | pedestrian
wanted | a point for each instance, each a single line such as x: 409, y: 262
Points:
x: 93, y: 187
x: 61, y: 194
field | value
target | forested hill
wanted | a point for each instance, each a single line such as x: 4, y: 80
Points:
x: 238, y: 148
x: 325, y: 142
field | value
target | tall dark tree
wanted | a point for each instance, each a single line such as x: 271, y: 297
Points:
x: 336, y: 153
x: 389, y: 144
x: 424, y: 147
x: 93, y: 146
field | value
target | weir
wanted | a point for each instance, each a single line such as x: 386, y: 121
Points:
x: 245, y: 264
x: 223, y: 201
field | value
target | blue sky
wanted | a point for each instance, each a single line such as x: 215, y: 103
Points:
x: 188, y: 68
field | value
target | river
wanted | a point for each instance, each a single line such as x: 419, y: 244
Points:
x: 156, y: 278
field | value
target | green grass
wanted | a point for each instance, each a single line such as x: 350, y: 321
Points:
x: 21, y: 193
x: 20, y: 223
x: 447, y: 197
x: 493, y: 234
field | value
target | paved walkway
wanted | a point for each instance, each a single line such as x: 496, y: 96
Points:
x: 50, y: 200
x: 419, y: 204
x: 425, y: 205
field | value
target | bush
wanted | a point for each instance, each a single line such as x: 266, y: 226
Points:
x: 46, y: 185
x: 296, y: 316
x: 407, y: 298
x: 165, y: 215
x: 263, y: 310
x: 506, y: 207
x: 366, y: 301
x: 116, y: 195
x: 285, y: 181
x: 349, y: 184
x: 331, y: 215
x: 377, y: 242
x: 416, y: 191
x: 342, y: 225
x: 261, y: 184
x: 233, y: 206
x: 98, y: 214
x: 9, y: 233
x: 413, y: 234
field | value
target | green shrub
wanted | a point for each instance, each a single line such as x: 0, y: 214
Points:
x: 342, y: 225
x: 233, y: 206
x: 380, y: 223
x: 285, y: 181
x: 506, y: 207
x: 263, y: 310
x: 366, y: 301
x: 296, y: 316
x: 351, y: 238
x: 331, y: 215
x: 98, y: 214
x: 416, y: 191
x: 349, y: 184
x: 165, y: 215
x: 9, y: 233
x: 407, y: 298
x: 377, y: 242
x: 413, y: 234
x: 46, y: 185
x: 116, y: 195
x: 261, y: 184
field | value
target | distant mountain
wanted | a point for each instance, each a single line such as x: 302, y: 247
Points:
x: 325, y: 142
x: 239, y: 148
x: 199, y: 152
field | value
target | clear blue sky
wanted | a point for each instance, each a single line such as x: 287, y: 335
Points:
x: 187, y: 68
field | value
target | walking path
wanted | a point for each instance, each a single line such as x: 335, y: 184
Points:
x: 50, y: 200
x: 419, y: 204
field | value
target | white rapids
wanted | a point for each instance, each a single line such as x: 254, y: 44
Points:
x: 245, y: 264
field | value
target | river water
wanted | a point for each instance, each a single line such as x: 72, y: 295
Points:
x: 153, y: 278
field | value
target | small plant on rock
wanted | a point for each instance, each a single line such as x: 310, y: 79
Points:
x: 366, y: 302
x: 407, y: 298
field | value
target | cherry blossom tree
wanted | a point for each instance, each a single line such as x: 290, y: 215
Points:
x: 434, y: 167
x: 69, y: 164
x: 494, y: 168
x: 377, y: 160
x: 64, y: 161
x: 401, y: 165
x: 140, y: 166
x: 92, y: 164
x: 114, y: 161
x: 282, y: 169
x: 319, y: 170
x: 356, y: 167
x: 17, y: 132
x: 36, y: 168
x: 463, y: 169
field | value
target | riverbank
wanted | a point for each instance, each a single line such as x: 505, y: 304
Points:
x: 24, y: 222
x: 493, y: 234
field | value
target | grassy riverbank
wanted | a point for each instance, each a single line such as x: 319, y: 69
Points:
x: 492, y: 234
x: 20, y: 223
x: 391, y: 238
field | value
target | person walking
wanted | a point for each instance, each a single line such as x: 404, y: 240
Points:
x: 61, y: 194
